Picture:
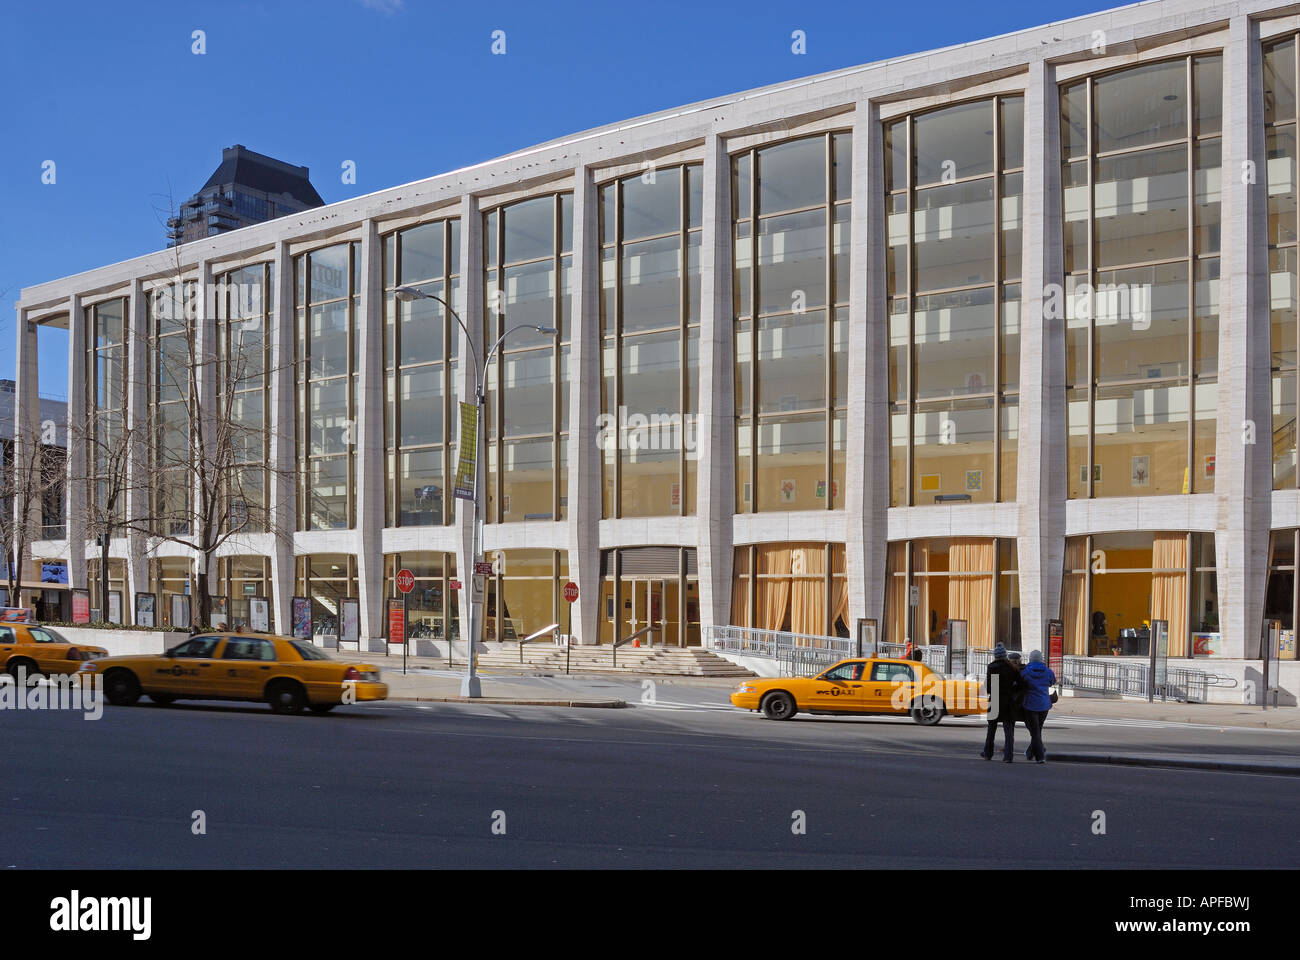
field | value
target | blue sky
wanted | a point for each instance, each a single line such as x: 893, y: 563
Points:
x: 114, y: 95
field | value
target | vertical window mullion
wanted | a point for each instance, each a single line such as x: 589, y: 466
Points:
x: 828, y: 326
x: 754, y: 334
x: 910, y: 397
x: 1190, y: 486
x: 683, y: 327
x: 618, y: 358
x: 1090, y: 490
x: 557, y: 302
x: 997, y: 313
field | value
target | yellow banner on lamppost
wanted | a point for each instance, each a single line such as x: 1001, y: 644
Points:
x: 466, y: 467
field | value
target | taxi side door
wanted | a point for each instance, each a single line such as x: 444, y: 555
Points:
x: 884, y: 683
x: 840, y: 689
x: 245, y: 665
x: 187, y: 670
x: 8, y: 641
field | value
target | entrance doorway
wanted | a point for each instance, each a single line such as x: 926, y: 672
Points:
x: 655, y: 589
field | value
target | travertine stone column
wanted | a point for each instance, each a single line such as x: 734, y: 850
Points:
x: 1043, y: 426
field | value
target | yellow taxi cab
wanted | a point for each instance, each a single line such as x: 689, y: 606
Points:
x: 33, y: 651
x: 287, y: 673
x: 879, y: 686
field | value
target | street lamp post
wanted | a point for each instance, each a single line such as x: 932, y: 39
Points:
x: 470, y: 685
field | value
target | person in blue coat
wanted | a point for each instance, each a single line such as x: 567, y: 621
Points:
x: 1035, y: 680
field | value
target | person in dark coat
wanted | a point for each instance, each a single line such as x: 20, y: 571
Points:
x: 1003, y: 684
x: 1036, y: 678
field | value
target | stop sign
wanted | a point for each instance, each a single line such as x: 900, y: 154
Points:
x: 570, y: 591
x: 405, y: 580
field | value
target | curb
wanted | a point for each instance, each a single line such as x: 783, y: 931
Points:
x: 512, y: 702
x: 1231, y: 766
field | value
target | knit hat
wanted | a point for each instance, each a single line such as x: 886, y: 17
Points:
x: 1035, y: 656
x: 1014, y: 656
x: 999, y: 652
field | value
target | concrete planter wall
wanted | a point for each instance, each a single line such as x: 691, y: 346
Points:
x: 121, y: 643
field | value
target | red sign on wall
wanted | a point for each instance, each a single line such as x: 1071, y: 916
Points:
x: 396, y: 620
x: 1056, y: 647
x: 81, y: 606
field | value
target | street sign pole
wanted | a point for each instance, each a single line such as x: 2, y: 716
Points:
x: 406, y: 629
x: 571, y: 597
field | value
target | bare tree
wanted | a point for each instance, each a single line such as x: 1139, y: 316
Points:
x: 31, y: 468
x: 204, y: 436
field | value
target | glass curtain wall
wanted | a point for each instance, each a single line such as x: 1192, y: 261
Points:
x: 931, y: 581
x: 954, y: 182
x: 1141, y: 154
x: 241, y: 579
x: 106, y: 401
x: 245, y: 308
x: 799, y: 587
x: 650, y: 314
x: 327, y: 580
x: 420, y: 344
x: 432, y: 602
x: 1115, y: 584
x: 527, y: 281
x: 1280, y: 136
x: 791, y: 210
x: 327, y: 283
x: 652, y: 593
x: 523, y: 593
x: 172, y: 360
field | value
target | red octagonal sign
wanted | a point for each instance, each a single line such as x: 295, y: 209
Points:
x: 570, y: 591
x: 405, y: 580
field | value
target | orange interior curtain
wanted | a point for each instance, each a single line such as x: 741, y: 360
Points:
x: 808, y: 589
x: 896, y: 601
x: 1169, y: 588
x: 839, y: 589
x: 970, y: 588
x: 740, y: 589
x: 773, y: 585
x: 1074, y: 611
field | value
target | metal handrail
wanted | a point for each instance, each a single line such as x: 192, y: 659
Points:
x: 553, y: 629
x: 627, y: 639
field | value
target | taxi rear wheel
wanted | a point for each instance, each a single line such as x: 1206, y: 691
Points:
x: 121, y: 688
x: 779, y: 706
x: 928, y: 710
x: 286, y: 697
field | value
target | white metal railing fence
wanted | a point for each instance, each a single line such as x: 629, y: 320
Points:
x: 755, y: 642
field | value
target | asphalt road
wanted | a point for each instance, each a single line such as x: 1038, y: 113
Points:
x: 681, y: 783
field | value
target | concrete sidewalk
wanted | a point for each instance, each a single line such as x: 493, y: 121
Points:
x: 432, y: 681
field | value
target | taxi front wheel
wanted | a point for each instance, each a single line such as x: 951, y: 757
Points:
x: 121, y: 688
x: 927, y: 711
x: 286, y: 697
x: 779, y: 706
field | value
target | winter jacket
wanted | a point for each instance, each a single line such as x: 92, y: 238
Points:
x: 1036, y: 677
x: 1007, y: 688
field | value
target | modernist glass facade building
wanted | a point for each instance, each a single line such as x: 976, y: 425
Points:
x: 1003, y: 333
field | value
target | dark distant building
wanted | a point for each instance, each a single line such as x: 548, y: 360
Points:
x: 247, y: 188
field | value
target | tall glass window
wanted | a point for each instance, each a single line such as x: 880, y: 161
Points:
x: 327, y: 301
x: 1141, y: 154
x: 790, y: 209
x: 420, y: 344
x: 106, y: 401
x: 327, y: 580
x: 172, y: 359
x: 1280, y: 136
x: 528, y: 265
x: 245, y: 311
x: 650, y: 321
x: 953, y: 180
